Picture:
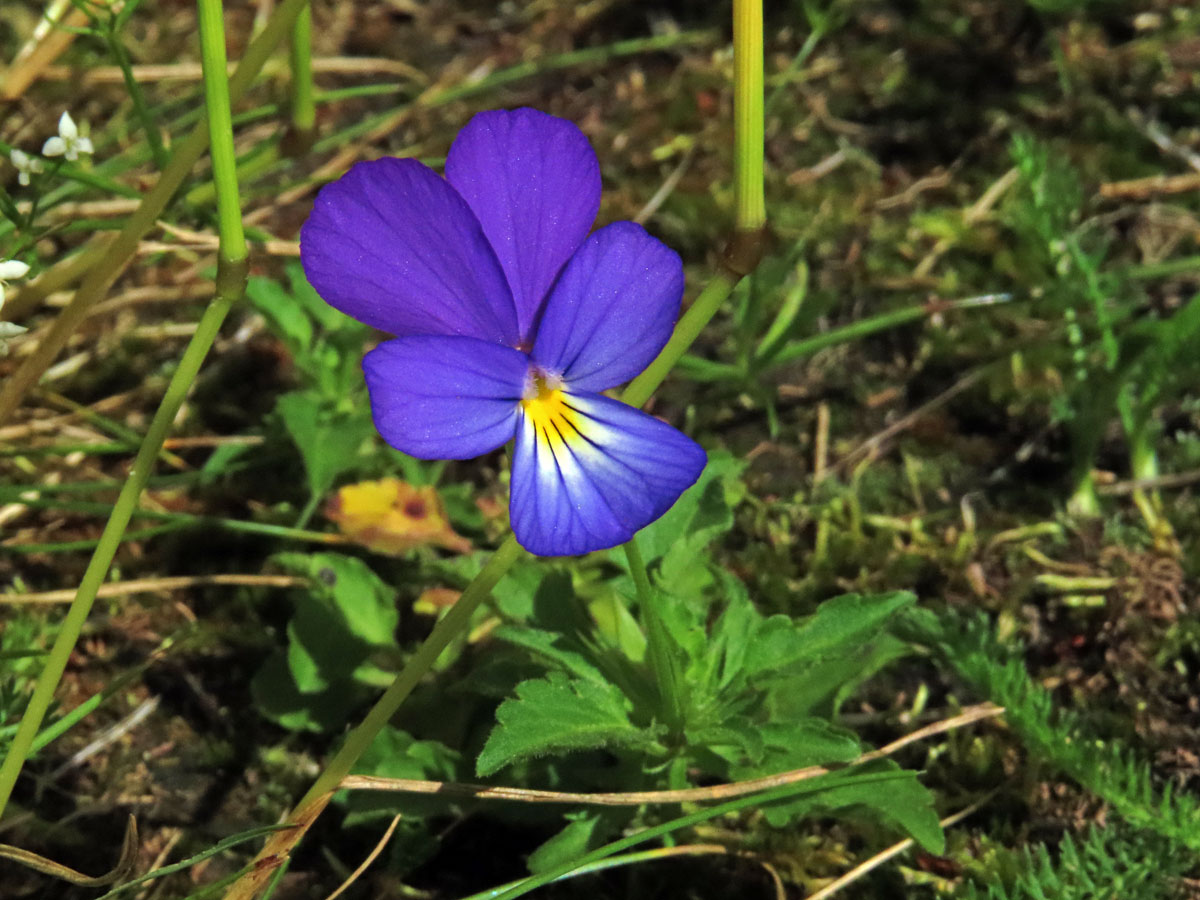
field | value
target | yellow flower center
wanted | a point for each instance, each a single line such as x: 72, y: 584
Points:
x: 548, y: 408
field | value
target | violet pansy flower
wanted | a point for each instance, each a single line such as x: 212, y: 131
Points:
x: 510, y: 319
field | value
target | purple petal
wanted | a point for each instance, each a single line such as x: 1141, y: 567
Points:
x: 534, y: 183
x: 612, y: 308
x: 436, y: 397
x: 393, y: 245
x: 588, y: 472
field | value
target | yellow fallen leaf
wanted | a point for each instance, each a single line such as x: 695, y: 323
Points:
x: 393, y: 516
x: 432, y: 600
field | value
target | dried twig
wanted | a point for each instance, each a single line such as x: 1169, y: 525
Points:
x: 371, y: 857
x: 148, y: 585
x: 636, y: 798
x: 895, y: 850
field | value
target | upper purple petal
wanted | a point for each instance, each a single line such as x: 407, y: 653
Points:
x: 611, y: 310
x: 437, y: 397
x: 393, y: 245
x: 534, y: 183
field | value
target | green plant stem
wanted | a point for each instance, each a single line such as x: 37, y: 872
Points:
x: 230, y: 286
x: 454, y: 623
x: 690, y: 324
x: 121, y: 56
x: 110, y: 540
x: 121, y: 249
x: 232, y: 248
x: 304, y: 109
x: 748, y: 114
x: 659, y: 643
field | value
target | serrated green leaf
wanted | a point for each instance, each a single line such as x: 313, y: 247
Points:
x: 903, y: 803
x: 556, y: 714
x: 699, y: 516
x: 838, y: 624
x: 553, y: 648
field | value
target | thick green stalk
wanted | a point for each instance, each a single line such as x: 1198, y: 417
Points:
x: 659, y: 643
x: 230, y: 285
x: 304, y: 108
x: 121, y: 250
x: 455, y: 622
x: 748, y: 114
x: 217, y: 101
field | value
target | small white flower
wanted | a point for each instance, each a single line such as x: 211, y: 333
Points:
x: 8, y: 330
x: 9, y: 269
x: 68, y: 143
x: 25, y: 165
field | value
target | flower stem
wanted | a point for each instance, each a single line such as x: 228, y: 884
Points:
x: 455, y: 622
x: 230, y: 285
x: 659, y: 643
x: 686, y: 331
x: 220, y: 128
x: 748, y: 114
x: 304, y: 109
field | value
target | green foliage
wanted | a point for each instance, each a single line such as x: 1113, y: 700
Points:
x: 19, y: 661
x: 1120, y: 357
x: 1058, y: 737
x: 556, y: 714
x: 327, y: 418
x: 1109, y: 862
x: 757, y: 694
x: 341, y: 640
x: 396, y: 754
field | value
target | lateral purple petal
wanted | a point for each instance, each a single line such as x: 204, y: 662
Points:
x: 437, y: 397
x: 534, y: 183
x: 594, y: 476
x: 390, y: 243
x: 612, y: 308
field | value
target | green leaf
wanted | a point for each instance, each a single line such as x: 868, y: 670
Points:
x: 800, y: 743
x: 838, y: 624
x: 556, y: 714
x: 329, y: 443
x: 365, y: 604
x: 904, y: 803
x: 396, y: 754
x: 553, y: 648
x: 585, y: 831
x: 699, y: 516
x: 286, y: 317
x: 275, y: 694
